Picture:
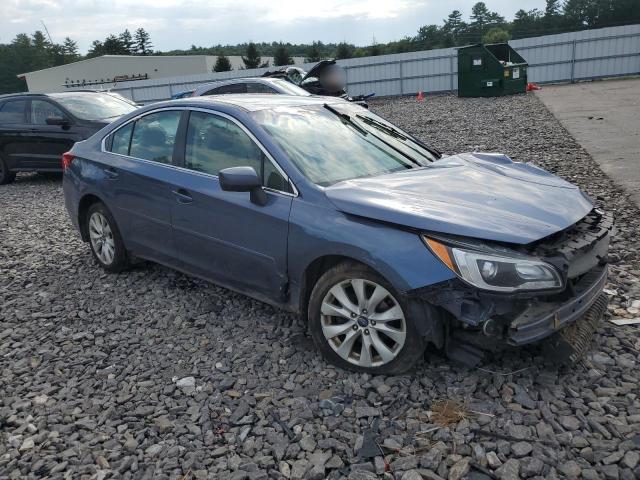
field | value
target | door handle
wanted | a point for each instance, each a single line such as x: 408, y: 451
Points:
x: 111, y: 173
x: 182, y: 196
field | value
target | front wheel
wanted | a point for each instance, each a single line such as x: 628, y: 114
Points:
x: 358, y: 322
x: 105, y: 240
x: 6, y: 176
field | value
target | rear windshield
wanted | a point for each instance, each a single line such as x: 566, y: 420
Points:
x: 95, y: 106
x: 328, y: 149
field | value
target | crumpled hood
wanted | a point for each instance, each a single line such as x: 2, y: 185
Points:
x: 479, y: 195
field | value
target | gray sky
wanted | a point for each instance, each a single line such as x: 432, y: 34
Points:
x: 181, y: 23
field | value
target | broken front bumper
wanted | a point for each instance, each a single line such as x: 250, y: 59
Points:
x: 544, y: 318
x: 491, y: 320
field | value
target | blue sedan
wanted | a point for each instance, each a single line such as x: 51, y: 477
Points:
x: 322, y: 208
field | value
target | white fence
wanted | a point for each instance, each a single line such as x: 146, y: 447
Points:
x: 566, y: 57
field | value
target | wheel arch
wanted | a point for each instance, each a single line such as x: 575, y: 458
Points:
x: 430, y: 321
x: 83, y: 207
x: 316, y: 268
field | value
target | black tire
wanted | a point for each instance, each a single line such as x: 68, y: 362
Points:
x: 6, y: 176
x: 120, y: 259
x: 405, y: 357
x: 51, y: 175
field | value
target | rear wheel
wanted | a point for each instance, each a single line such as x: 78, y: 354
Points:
x: 358, y: 322
x: 105, y: 240
x: 6, y: 176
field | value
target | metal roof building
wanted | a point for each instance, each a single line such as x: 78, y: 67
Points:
x: 107, y: 70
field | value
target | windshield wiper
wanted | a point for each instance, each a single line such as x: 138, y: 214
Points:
x: 381, y: 126
x: 346, y: 118
x: 395, y: 133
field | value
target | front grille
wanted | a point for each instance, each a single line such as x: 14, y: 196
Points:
x: 578, y: 249
x: 580, y: 236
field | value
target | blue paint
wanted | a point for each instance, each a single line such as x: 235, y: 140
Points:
x: 264, y: 251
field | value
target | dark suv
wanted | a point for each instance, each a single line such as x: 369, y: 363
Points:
x: 36, y: 129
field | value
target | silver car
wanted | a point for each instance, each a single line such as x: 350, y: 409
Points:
x: 249, y: 85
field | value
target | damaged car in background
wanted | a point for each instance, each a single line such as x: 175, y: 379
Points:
x: 325, y: 78
x: 316, y: 205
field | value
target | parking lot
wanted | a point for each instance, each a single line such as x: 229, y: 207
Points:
x: 152, y: 374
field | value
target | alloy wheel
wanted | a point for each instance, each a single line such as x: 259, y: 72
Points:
x: 363, y: 322
x: 101, y: 237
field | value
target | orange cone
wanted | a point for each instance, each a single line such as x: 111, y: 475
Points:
x: 420, y: 96
x: 532, y: 86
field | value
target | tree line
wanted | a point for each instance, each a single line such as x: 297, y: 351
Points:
x: 483, y: 25
x: 27, y: 53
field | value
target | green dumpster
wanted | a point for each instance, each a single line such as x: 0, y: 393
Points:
x: 490, y: 70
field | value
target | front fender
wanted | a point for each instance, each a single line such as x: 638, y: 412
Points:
x: 398, y: 255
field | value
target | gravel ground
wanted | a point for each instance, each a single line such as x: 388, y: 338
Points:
x: 151, y: 374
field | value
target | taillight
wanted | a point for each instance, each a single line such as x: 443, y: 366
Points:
x: 67, y: 158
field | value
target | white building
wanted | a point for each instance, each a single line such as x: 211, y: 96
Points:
x: 107, y: 70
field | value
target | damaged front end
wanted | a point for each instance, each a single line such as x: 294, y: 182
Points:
x: 563, y: 302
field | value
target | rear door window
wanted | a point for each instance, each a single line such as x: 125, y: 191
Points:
x: 154, y: 136
x: 232, y: 88
x: 41, y: 110
x: 13, y: 111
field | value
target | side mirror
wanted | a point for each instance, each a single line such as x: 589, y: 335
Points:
x: 243, y: 179
x: 61, y: 121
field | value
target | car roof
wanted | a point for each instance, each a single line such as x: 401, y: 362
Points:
x: 231, y: 81
x: 241, y: 80
x: 54, y: 94
x: 22, y: 94
x: 257, y: 101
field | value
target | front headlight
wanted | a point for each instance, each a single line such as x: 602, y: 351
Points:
x: 501, y: 271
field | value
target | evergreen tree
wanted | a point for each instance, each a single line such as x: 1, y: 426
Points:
x: 252, y: 60
x: 127, y: 42
x: 39, y: 41
x: 343, y: 51
x: 454, y: 27
x: 41, y: 54
x: 577, y: 14
x: 281, y: 56
x: 112, y: 45
x: 313, y: 54
x: 142, y: 41
x: 96, y: 49
x: 552, y: 15
x: 70, y: 50
x: 479, y: 19
x: 429, y: 36
x: 223, y: 64
x: 22, y: 40
x: 626, y: 12
x: 527, y: 23
x: 552, y: 8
